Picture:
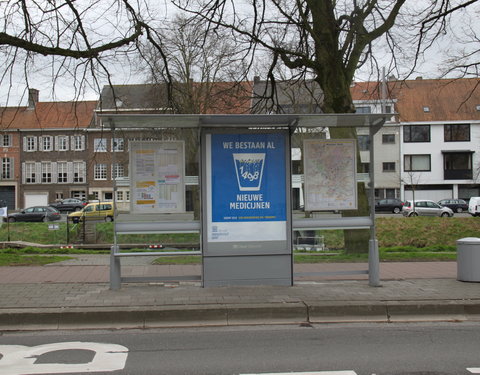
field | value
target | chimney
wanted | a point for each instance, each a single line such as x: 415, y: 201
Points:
x: 32, y: 98
x: 256, y: 79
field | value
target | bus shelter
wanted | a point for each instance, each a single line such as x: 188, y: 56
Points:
x: 243, y: 202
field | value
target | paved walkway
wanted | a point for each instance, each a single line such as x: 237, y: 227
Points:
x: 75, y: 294
x: 96, y: 268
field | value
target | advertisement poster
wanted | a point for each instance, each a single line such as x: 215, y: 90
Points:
x: 157, y: 177
x: 247, y: 190
x: 330, y: 174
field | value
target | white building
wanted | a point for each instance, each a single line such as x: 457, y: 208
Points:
x: 431, y: 147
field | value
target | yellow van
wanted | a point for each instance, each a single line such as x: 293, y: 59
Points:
x: 93, y: 211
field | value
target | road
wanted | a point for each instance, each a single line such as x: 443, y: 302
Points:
x: 397, y: 349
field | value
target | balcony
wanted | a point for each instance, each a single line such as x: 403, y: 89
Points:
x: 457, y: 174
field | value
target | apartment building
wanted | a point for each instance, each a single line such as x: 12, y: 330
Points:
x: 48, y: 153
x: 440, y: 138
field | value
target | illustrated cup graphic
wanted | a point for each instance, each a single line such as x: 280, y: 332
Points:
x: 249, y: 169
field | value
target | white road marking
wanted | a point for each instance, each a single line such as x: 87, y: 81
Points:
x: 19, y: 359
x: 347, y: 372
x: 474, y: 370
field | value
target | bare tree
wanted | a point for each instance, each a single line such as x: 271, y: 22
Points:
x: 208, y: 76
x: 327, y: 41
x: 453, y: 26
x: 76, y: 40
x: 201, y: 64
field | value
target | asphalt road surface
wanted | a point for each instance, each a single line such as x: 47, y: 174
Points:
x: 440, y: 348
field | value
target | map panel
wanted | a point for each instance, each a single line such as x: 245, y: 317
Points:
x: 330, y: 174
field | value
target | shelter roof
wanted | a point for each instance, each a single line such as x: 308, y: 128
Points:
x: 255, y: 121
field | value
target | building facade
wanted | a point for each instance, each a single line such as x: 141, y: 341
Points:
x: 48, y: 155
x: 440, y: 138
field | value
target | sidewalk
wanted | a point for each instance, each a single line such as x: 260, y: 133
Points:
x: 75, y: 295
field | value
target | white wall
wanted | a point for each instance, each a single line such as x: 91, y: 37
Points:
x: 434, y: 148
x: 433, y: 195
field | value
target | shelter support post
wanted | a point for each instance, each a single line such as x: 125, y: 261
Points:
x: 115, y: 269
x: 373, y: 264
x: 373, y: 255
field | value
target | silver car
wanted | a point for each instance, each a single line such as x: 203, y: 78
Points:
x: 425, y: 208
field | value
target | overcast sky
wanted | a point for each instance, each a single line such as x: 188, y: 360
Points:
x: 126, y: 72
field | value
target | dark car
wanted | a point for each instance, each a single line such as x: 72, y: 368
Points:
x: 389, y: 205
x: 69, y: 204
x: 36, y: 213
x: 456, y: 205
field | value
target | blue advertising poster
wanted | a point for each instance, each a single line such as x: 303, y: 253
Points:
x: 247, y: 180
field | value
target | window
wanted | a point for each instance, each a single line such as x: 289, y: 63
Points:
x: 95, y: 195
x: 7, y: 168
x: 61, y: 143
x: 100, y: 172
x: 99, y: 145
x: 79, y: 194
x: 413, y: 163
x: 127, y: 195
x: 46, y: 173
x: 117, y: 144
x: 365, y: 109
x: 118, y: 171
x: 46, y: 143
x: 363, y: 142
x: 79, y: 171
x: 389, y: 167
x: 456, y: 132
x: 391, y: 193
x: 30, y: 177
x: 457, y: 165
x: 6, y: 140
x: 388, y: 138
x: 30, y: 144
x: 78, y: 142
x: 62, y: 172
x: 416, y: 133
x: 58, y: 195
x: 119, y: 195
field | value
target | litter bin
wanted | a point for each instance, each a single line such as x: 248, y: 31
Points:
x: 468, y: 259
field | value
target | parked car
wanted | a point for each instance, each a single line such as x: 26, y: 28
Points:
x: 474, y: 206
x: 69, y: 204
x: 93, y: 211
x: 389, y: 205
x: 425, y: 208
x: 36, y: 213
x: 456, y: 205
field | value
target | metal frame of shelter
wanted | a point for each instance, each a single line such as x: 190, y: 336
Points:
x: 288, y: 122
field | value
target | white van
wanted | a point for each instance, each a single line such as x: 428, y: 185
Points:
x: 474, y: 206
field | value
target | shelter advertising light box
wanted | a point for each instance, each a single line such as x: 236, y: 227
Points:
x: 157, y: 177
x: 246, y: 196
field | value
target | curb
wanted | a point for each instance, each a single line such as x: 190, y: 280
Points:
x: 236, y: 315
